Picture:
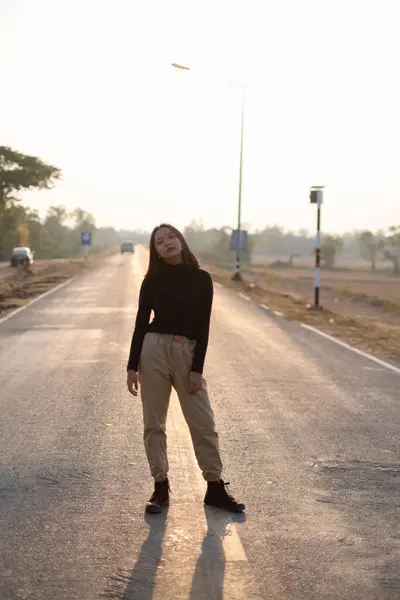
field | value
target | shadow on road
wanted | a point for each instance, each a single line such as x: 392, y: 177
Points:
x: 209, y: 576
x: 209, y: 573
x: 142, y: 580
x: 140, y: 583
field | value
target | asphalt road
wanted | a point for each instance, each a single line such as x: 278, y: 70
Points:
x: 310, y: 439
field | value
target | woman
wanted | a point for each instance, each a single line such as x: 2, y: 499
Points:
x: 170, y: 351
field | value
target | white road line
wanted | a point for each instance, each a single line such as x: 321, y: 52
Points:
x: 230, y: 540
x: 352, y: 348
x: 264, y: 307
x: 21, y: 308
x: 244, y: 297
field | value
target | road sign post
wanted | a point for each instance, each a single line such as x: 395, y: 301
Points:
x: 316, y: 198
x: 86, y: 241
x: 239, y: 239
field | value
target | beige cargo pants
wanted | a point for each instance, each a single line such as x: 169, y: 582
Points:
x: 165, y: 362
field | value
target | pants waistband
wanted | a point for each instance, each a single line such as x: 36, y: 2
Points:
x: 169, y: 337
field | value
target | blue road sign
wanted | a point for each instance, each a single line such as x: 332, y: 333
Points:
x: 243, y: 240
x: 86, y: 238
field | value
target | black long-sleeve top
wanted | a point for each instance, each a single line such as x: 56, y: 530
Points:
x: 181, y: 298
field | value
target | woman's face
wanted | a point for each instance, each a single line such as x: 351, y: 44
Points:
x: 168, y: 245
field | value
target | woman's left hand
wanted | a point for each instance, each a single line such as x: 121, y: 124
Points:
x: 195, y: 382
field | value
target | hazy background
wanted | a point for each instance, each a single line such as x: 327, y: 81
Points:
x: 87, y: 86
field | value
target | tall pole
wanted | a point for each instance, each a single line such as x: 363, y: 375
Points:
x: 237, y: 275
x: 318, y: 254
x: 316, y: 198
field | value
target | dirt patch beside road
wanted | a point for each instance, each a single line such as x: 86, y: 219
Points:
x: 350, y: 292
x: 6, y: 271
x: 377, y: 333
x: 21, y: 285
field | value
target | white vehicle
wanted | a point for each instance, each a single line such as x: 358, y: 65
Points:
x: 21, y: 256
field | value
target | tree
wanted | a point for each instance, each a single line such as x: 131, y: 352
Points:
x: 196, y: 225
x: 59, y: 213
x: 392, y: 247
x: 23, y: 233
x: 84, y: 221
x: 371, y: 244
x: 275, y: 241
x: 34, y: 225
x: 22, y: 172
x: 48, y: 243
x: 11, y: 221
x: 331, y: 245
x: 56, y: 231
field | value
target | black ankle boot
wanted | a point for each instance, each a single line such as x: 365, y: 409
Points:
x: 160, y: 498
x: 217, y: 495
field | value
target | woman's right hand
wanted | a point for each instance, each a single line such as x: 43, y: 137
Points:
x: 133, y: 382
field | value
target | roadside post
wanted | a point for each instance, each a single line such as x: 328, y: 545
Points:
x: 86, y: 241
x: 239, y: 239
x: 316, y: 195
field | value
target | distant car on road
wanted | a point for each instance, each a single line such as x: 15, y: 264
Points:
x: 127, y: 247
x: 21, y: 256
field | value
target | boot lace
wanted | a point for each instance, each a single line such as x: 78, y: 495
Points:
x: 227, y: 492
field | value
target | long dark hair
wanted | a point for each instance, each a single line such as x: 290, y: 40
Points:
x: 156, y: 263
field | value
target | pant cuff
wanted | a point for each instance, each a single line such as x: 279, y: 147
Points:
x: 210, y: 478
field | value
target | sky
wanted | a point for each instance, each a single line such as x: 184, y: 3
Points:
x: 87, y: 86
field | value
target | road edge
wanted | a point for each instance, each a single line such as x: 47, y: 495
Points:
x: 375, y: 359
x: 36, y: 299
x: 266, y: 309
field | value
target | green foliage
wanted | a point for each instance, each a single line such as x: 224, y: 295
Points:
x: 276, y: 242
x: 213, y: 245
x: 58, y: 235
x: 371, y: 245
x: 22, y: 172
x: 392, y: 247
x: 331, y: 245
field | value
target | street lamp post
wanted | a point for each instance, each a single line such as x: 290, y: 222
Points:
x: 237, y: 274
